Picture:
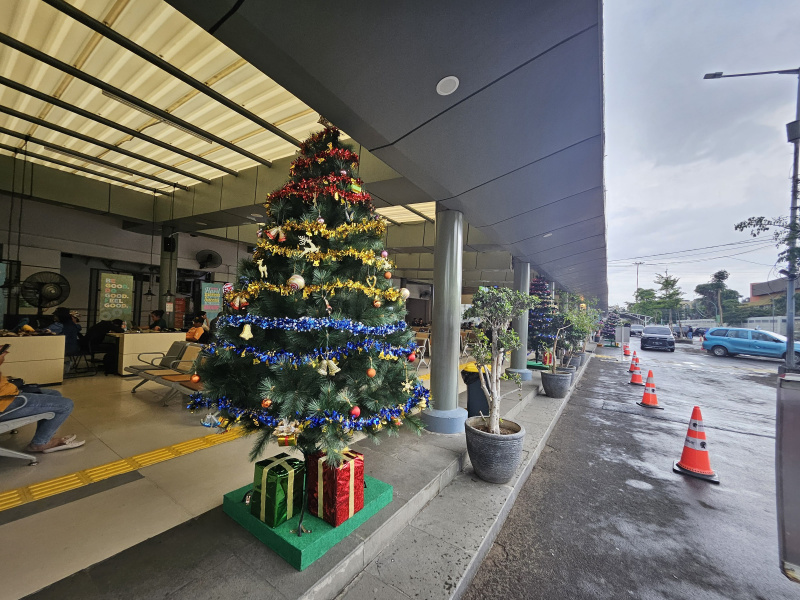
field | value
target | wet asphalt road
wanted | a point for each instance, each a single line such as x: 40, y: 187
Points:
x: 604, y: 516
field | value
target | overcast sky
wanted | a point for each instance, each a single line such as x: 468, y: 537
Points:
x: 687, y: 158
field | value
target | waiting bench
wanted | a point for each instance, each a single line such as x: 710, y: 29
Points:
x: 14, y: 424
x: 171, y: 369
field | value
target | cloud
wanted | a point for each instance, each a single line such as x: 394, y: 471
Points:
x: 687, y: 158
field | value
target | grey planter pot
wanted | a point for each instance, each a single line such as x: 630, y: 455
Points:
x: 570, y: 371
x: 584, y: 356
x: 495, y: 458
x: 575, y: 361
x: 556, y: 385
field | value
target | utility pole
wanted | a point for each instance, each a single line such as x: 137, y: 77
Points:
x: 637, y: 275
x: 793, y: 135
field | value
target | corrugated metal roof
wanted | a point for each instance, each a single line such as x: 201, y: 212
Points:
x: 162, y: 30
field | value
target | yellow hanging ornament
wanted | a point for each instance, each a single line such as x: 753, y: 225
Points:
x: 247, y: 333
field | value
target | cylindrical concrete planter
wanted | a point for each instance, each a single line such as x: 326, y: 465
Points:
x: 575, y: 361
x: 495, y: 457
x: 570, y: 371
x: 584, y: 356
x: 556, y: 385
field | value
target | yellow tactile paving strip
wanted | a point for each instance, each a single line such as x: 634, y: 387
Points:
x: 37, y: 491
x: 51, y: 487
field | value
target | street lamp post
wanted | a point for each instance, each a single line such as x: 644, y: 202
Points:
x: 793, y: 134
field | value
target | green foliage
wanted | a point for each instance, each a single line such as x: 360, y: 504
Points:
x: 495, y: 307
x: 669, y: 293
x: 300, y: 391
x: 782, y: 232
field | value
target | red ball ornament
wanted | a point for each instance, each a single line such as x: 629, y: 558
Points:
x: 412, y: 357
x: 388, y: 275
x: 355, y: 412
x: 195, y: 378
x: 371, y: 372
x: 376, y: 303
x: 266, y: 403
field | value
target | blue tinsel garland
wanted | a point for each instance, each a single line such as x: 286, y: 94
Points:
x: 311, y: 324
x: 328, y: 353
x: 263, y: 418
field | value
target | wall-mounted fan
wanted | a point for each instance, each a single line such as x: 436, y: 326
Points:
x: 208, y: 259
x: 45, y: 289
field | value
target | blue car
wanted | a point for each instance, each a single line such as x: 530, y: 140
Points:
x: 730, y: 341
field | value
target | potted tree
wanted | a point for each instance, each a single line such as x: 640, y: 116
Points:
x: 555, y: 384
x: 495, y: 445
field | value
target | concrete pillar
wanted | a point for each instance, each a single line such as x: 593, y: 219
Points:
x: 168, y: 277
x: 519, y: 357
x: 444, y: 415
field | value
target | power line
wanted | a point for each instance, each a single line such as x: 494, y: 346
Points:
x: 743, y: 242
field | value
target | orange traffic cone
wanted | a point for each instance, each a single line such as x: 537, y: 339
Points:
x: 636, y: 376
x: 694, y: 460
x: 626, y: 350
x: 649, y: 399
x: 636, y: 358
x: 634, y: 362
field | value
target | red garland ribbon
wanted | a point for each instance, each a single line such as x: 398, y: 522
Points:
x: 341, y: 153
x: 307, y: 188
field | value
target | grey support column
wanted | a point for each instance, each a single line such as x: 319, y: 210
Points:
x: 444, y: 415
x: 519, y: 357
x: 168, y: 277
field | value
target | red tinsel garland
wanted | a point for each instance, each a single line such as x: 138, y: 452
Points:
x: 308, y: 189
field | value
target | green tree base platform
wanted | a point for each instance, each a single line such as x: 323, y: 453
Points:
x: 301, y: 551
x: 537, y: 366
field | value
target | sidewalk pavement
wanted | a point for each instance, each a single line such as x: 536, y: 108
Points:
x: 427, y: 543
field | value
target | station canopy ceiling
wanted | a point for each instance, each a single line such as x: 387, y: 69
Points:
x: 139, y: 93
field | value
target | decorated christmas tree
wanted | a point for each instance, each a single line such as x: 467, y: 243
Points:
x: 541, y: 327
x: 316, y: 347
x: 610, y: 324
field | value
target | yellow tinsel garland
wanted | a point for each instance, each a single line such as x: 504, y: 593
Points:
x: 342, y: 231
x: 367, y: 257
x: 254, y: 288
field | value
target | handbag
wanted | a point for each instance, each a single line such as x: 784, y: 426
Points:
x: 25, y: 388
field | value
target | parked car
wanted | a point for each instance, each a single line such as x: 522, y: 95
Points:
x: 730, y: 341
x: 698, y: 331
x: 636, y: 329
x: 657, y: 337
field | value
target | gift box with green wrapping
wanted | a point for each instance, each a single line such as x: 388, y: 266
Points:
x: 335, y: 494
x: 277, y: 489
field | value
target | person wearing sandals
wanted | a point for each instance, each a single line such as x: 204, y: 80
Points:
x: 15, y: 404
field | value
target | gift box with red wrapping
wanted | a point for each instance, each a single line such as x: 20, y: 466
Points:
x: 335, y: 494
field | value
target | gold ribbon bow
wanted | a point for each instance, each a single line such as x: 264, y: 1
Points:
x: 328, y: 367
x: 277, y: 232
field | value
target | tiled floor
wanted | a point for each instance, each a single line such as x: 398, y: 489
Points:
x: 54, y: 538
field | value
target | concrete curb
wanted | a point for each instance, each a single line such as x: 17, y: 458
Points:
x: 522, y: 477
x: 435, y: 549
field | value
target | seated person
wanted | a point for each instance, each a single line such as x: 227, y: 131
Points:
x: 12, y: 406
x: 204, y: 317
x: 98, y: 332
x: 69, y: 329
x: 157, y: 322
x: 197, y: 332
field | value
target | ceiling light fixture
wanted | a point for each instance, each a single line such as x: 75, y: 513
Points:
x: 548, y: 234
x: 200, y: 223
x: 447, y: 85
x: 153, y: 115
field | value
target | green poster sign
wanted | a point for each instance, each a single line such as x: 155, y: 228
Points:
x: 116, y: 297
